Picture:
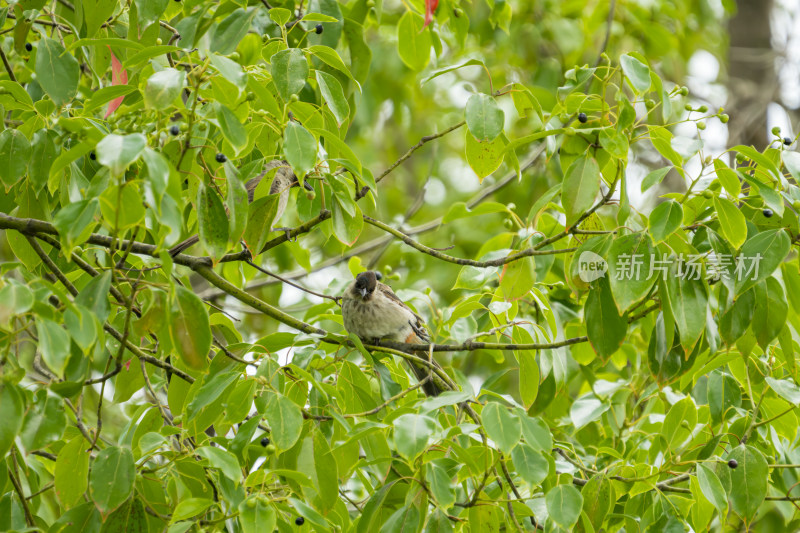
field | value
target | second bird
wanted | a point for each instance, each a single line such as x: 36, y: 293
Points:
x: 282, y: 183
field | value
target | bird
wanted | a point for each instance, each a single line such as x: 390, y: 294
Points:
x: 372, y: 312
x: 282, y: 183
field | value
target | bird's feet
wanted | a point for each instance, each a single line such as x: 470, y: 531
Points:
x: 287, y: 232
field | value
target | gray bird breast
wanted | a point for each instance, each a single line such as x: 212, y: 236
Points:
x: 376, y: 319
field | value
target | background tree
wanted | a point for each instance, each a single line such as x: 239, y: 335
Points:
x: 483, y: 157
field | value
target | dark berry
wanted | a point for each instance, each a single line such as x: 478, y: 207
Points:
x: 767, y: 212
x: 733, y: 463
x: 787, y: 141
x: 299, y: 520
x: 582, y: 118
x: 28, y: 47
x: 378, y: 275
x: 221, y: 158
x: 265, y: 442
x: 92, y: 156
x: 318, y: 29
x: 175, y: 129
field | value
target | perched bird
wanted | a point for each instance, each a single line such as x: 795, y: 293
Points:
x: 283, y: 181
x: 372, y: 311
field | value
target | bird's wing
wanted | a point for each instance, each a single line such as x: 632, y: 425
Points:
x: 418, y: 325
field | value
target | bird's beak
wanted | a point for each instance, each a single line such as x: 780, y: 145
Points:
x: 307, y: 186
x: 363, y: 292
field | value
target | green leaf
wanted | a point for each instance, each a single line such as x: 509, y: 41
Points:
x: 485, y: 119
x: 723, y: 395
x: 286, y: 421
x: 440, y: 485
x: 770, y: 312
x: 163, y: 88
x: 43, y: 154
x: 564, y: 503
x: 190, y: 507
x: 212, y: 222
x: 630, y: 269
x: 129, y: 518
x: 586, y: 409
x: 786, y: 389
x: 468, y: 63
x: 72, y: 472
x: 237, y: 203
x: 665, y: 219
x: 15, y: 299
x: 501, y: 426
x: 315, y: 460
x: 121, y: 206
x: 712, y: 488
x: 580, y: 187
x: 605, y: 327
x: 54, y: 345
x: 330, y: 57
x: 189, y: 328
x: 679, y: 423
x: 15, y: 152
x: 111, y: 478
x: 289, y: 70
x: 222, y: 460
x: 75, y: 222
x: 760, y: 256
x: 280, y: 15
x: 332, y: 92
x: 57, y: 72
x: 230, y: 32
x: 517, y: 279
x: 260, y: 218
x: 529, y: 378
x: 688, y: 301
x: 117, y: 152
x: 731, y: 221
x: 300, y: 147
x: 637, y: 72
x: 94, y: 295
x: 655, y: 177
x: 536, y: 432
x: 44, y: 423
x: 661, y: 138
x: 750, y: 480
x: 150, y: 11
x: 411, y: 434
x: 531, y: 465
x: 256, y: 515
x: 735, y: 321
x: 230, y: 70
x: 598, y: 499
x: 728, y: 178
x: 231, y: 128
x: 346, y: 226
x: 413, y: 42
x: 12, y: 405
x: 484, y: 157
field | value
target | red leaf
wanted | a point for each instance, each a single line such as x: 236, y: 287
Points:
x: 118, y: 77
x: 430, y: 7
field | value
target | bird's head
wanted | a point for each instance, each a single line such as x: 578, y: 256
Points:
x: 365, y: 284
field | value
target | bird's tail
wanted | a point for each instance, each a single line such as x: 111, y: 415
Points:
x: 423, y: 373
x: 181, y: 246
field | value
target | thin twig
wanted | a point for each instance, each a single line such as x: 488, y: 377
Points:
x: 7, y: 65
x: 428, y: 138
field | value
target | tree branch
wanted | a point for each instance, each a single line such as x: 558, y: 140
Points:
x: 458, y: 261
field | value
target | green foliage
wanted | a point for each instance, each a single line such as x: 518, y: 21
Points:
x: 609, y: 361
